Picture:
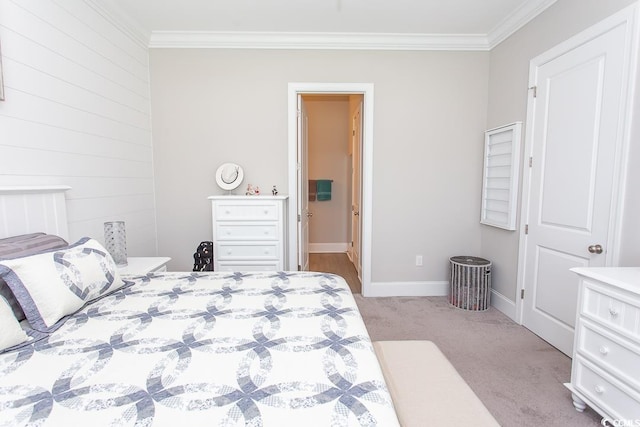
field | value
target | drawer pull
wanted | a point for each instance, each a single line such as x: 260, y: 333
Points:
x: 229, y: 251
x: 604, y: 350
x: 599, y: 389
x: 266, y: 211
x: 227, y: 211
x: 613, y: 312
x: 266, y: 231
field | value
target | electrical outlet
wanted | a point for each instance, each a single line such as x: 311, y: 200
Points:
x: 419, y: 260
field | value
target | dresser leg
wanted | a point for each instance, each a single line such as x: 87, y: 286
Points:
x: 578, y: 403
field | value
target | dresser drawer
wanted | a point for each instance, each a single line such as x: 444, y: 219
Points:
x: 611, y: 309
x: 248, y: 250
x: 258, y: 210
x: 248, y: 266
x: 619, y: 401
x: 265, y: 230
x: 608, y: 351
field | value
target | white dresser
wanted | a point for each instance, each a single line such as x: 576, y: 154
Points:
x: 249, y: 233
x: 605, y: 372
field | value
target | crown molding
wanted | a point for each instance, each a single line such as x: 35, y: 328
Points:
x: 120, y: 19
x: 518, y: 19
x: 331, y: 41
x: 340, y: 41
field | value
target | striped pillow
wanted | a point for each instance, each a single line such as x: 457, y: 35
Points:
x: 25, y: 245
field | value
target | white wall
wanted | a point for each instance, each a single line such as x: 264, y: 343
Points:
x: 508, y: 103
x: 77, y: 113
x: 211, y: 106
x: 329, y: 125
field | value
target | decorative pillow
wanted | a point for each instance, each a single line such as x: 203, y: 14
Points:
x: 56, y: 283
x: 12, y: 334
x: 24, y: 245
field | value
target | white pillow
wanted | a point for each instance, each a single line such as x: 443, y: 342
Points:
x: 12, y: 334
x: 53, y: 284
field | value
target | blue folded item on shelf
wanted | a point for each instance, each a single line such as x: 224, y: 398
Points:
x: 323, y: 187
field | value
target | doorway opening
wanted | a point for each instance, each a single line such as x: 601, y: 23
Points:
x: 357, y: 211
x: 334, y: 144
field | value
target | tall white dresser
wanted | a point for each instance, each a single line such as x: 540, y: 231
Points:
x: 605, y: 372
x: 249, y: 233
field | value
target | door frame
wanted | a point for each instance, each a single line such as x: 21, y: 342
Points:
x: 627, y: 16
x: 366, y: 90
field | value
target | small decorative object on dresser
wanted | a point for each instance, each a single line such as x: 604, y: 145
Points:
x: 605, y: 372
x: 145, y: 265
x: 229, y: 176
x: 249, y: 233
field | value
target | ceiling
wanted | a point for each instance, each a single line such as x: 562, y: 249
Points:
x: 490, y: 19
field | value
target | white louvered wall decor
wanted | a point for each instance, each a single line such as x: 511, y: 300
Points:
x: 500, y: 176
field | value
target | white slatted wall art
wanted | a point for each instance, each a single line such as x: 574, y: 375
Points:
x: 500, y: 176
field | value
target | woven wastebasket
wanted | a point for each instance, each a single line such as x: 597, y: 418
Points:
x: 470, y: 283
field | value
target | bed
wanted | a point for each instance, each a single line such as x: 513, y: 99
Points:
x: 223, y: 349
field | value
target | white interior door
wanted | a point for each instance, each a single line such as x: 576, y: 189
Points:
x: 575, y: 122
x: 303, y: 187
x: 356, y: 189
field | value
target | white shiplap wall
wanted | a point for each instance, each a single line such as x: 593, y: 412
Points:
x: 77, y: 113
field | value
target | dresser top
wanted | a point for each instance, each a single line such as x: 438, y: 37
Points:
x: 623, y: 277
x: 240, y: 197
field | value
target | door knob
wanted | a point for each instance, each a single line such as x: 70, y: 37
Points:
x: 356, y: 213
x: 309, y: 214
x: 595, y: 249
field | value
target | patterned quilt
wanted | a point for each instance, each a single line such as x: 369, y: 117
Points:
x: 214, y: 349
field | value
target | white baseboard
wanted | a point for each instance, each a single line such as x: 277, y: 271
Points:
x: 408, y: 289
x: 503, y: 304
x: 319, y: 248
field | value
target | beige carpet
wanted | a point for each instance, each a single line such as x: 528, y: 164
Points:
x: 517, y: 375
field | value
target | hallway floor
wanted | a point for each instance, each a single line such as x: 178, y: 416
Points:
x: 336, y: 263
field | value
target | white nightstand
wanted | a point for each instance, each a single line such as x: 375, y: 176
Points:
x: 144, y: 265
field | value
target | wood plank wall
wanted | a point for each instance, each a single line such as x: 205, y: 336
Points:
x: 77, y: 113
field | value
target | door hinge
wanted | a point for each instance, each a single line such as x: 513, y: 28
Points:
x: 526, y: 229
x: 353, y: 132
x: 530, y: 161
x: 521, y: 293
x: 298, y: 113
x: 535, y: 91
x: 299, y: 267
x: 298, y: 217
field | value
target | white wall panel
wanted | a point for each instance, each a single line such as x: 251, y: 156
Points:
x: 77, y: 113
x: 84, y: 165
x: 23, y: 50
x: 76, y: 28
x: 47, y: 30
x: 54, y: 112
x: 36, y: 82
x: 45, y: 137
x: 104, y: 25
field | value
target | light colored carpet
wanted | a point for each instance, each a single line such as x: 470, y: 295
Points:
x: 517, y: 375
